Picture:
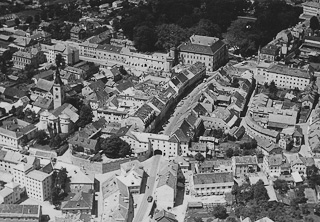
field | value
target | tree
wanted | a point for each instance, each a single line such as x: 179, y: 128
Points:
x: 3, y: 67
x: 170, y: 35
x: 29, y: 19
x: 241, y: 38
x: 273, y: 89
x: 17, y: 21
x: 231, y: 219
x: 37, y: 18
x: 115, y: 24
x: 44, y: 15
x: 229, y: 152
x: 281, y: 186
x: 60, y: 180
x: 220, y: 212
x: 60, y: 62
x: 236, y: 191
x: 78, y: 148
x: 314, y: 23
x: 199, y: 157
x: 317, y: 209
x: 24, y: 140
x: 260, y: 193
x: 85, y: 116
x: 309, y: 219
x: 55, y: 141
x: 300, y: 196
x: 19, y: 113
x: 198, y: 219
x: 114, y: 147
x: 41, y: 137
x: 235, y: 83
x: 144, y: 38
x: 313, y: 176
x: 206, y: 27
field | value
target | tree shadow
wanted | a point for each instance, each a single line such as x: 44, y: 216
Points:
x: 180, y: 196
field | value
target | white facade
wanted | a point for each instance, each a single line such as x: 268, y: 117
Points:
x: 38, y: 185
x: 311, y: 8
x: 284, y: 77
x: 10, y: 194
x: 165, y: 197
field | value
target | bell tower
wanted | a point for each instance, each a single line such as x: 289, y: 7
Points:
x: 58, y: 91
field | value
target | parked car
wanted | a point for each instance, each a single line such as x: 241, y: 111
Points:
x: 149, y: 199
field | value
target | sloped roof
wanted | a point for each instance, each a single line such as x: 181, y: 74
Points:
x: 81, y: 200
x: 44, y: 85
x: 201, y: 49
x: 164, y: 216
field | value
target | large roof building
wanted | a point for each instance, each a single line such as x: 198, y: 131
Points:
x: 210, y: 50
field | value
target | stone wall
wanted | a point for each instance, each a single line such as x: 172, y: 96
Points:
x: 100, y: 167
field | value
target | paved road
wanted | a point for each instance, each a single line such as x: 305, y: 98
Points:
x: 305, y: 149
x: 180, y: 110
x: 145, y: 206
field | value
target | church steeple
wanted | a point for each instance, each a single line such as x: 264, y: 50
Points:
x: 57, y: 78
x: 58, y: 91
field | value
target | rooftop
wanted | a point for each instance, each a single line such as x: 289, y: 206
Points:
x: 37, y: 175
x: 246, y: 160
x: 15, y: 210
x: 288, y: 71
x: 210, y: 178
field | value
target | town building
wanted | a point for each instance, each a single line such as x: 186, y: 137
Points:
x: 21, y: 59
x: 310, y: 8
x: 81, y: 202
x: 214, y: 166
x: 273, y: 164
x: 207, y: 184
x: 132, y: 176
x: 284, y: 76
x: 38, y: 185
x: 243, y: 165
x: 196, y: 148
x: 164, y: 216
x: 69, y: 53
x: 14, y: 130
x: 166, y: 189
x: 61, y: 119
x: 11, y: 193
x: 16, y: 212
x: 209, y: 50
x: 77, y: 33
x: 117, y: 200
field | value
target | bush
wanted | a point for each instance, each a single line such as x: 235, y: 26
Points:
x: 114, y: 147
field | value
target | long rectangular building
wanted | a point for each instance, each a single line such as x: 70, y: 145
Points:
x: 284, y: 76
x: 15, y: 212
x: 212, y: 183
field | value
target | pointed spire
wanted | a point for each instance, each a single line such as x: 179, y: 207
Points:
x: 57, y: 79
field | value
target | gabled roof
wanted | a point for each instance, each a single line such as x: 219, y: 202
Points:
x: 124, y: 85
x: 84, y: 142
x: 44, y: 85
x: 164, y: 216
x: 81, y: 200
x: 97, y: 85
x: 201, y: 49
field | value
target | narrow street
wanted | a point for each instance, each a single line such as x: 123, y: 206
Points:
x: 145, y: 207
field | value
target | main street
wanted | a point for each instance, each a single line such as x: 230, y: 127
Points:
x: 145, y: 207
x: 181, y: 109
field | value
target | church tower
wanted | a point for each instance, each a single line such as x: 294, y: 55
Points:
x: 58, y: 91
